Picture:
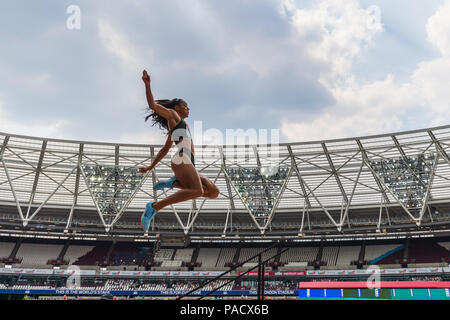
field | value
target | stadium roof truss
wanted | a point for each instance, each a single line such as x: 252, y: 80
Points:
x: 303, y: 185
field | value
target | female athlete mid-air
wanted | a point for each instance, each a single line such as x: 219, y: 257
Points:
x: 170, y: 115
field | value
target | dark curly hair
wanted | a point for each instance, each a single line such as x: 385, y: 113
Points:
x: 156, y: 118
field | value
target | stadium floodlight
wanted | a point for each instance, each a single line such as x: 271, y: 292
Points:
x: 407, y: 177
x: 259, y: 188
x: 111, y: 187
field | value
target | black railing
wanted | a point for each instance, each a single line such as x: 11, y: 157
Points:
x: 260, y: 267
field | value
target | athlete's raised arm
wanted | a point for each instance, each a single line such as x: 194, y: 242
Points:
x: 159, y: 109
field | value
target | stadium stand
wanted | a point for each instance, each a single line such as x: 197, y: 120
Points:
x: 299, y: 254
x: 269, y: 285
x: 329, y: 255
x: 76, y: 251
x: 392, y: 257
x: 247, y: 253
x: 94, y: 256
x: 34, y: 254
x: 126, y: 254
x: 208, y: 257
x: 121, y: 255
x: 377, y: 252
x: 347, y: 254
x: 226, y: 255
x: 163, y: 255
x: 6, y: 249
x: 153, y: 286
x: 172, y: 263
x: 189, y: 285
x: 427, y: 252
x: 445, y: 245
x: 184, y: 255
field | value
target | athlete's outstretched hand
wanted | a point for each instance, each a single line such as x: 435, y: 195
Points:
x: 145, y: 169
x: 145, y: 77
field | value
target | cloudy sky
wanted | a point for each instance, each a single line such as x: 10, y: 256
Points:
x: 312, y: 69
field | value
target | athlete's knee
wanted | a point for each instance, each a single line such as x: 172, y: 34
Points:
x: 214, y: 193
x: 198, y: 192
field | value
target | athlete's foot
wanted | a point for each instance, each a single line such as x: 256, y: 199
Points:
x: 147, y: 216
x: 161, y: 185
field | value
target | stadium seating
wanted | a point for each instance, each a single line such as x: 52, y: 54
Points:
x: 329, y: 255
x: 6, y: 249
x: 347, y: 254
x: 375, y: 252
x: 163, y: 254
x: 426, y: 252
x: 126, y: 254
x: 131, y: 255
x: 171, y: 263
x: 296, y: 264
x: 299, y: 254
x: 226, y: 255
x: 445, y: 245
x: 247, y: 253
x: 93, y: 257
x: 184, y: 254
x: 34, y: 254
x: 75, y: 251
x: 208, y: 257
x: 392, y: 258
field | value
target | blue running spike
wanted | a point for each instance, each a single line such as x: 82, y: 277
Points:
x: 161, y: 185
x: 147, y: 216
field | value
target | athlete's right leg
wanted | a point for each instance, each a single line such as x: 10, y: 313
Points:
x: 189, y: 179
x: 188, y: 176
x: 210, y: 190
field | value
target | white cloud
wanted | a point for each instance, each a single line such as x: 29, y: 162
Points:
x: 432, y: 80
x: 438, y: 27
x: 360, y: 109
x: 240, y: 64
x: 39, y: 129
x: 381, y: 106
x: 118, y: 45
x: 337, y: 30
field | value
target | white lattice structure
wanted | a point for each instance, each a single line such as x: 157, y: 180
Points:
x: 330, y: 187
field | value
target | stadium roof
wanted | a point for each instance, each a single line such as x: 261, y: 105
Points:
x: 388, y: 182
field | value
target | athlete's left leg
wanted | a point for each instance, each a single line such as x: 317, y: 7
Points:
x: 210, y: 190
